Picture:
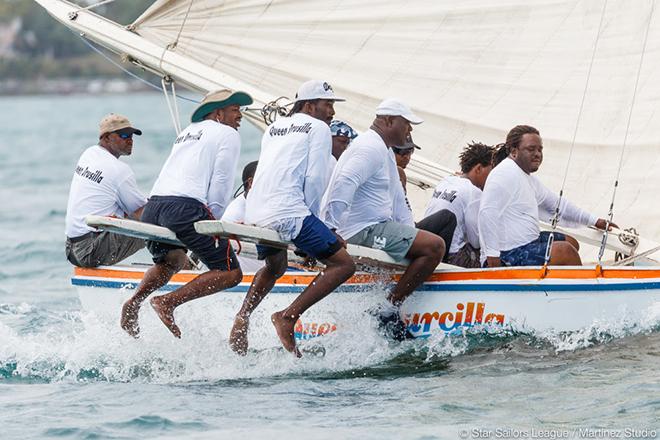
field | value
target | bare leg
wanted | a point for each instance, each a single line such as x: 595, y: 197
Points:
x: 563, y: 253
x: 573, y: 241
x: 205, y: 284
x: 425, y: 254
x: 339, y: 268
x: 263, y: 282
x: 155, y: 278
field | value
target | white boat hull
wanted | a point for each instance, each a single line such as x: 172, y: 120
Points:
x: 520, y: 299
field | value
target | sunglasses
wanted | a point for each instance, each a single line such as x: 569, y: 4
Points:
x: 402, y: 151
x: 125, y: 135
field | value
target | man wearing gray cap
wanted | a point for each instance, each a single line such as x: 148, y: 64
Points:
x: 363, y: 204
x: 103, y: 185
x: 194, y: 184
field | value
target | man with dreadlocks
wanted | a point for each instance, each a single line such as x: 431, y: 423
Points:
x: 461, y: 195
x: 509, y: 211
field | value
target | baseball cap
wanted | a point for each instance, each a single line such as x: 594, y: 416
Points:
x: 113, y: 122
x: 394, y: 107
x: 341, y: 128
x: 219, y: 99
x: 316, y: 89
x: 410, y: 144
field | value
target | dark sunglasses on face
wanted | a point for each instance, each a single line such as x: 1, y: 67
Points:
x: 402, y: 151
x: 125, y: 135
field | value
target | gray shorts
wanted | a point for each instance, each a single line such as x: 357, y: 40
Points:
x: 101, y: 249
x: 391, y: 237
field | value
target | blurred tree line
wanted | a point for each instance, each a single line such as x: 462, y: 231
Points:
x: 45, y: 47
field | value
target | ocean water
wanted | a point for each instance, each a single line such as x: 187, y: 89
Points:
x: 65, y: 373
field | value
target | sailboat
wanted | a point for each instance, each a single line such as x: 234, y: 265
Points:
x: 580, y: 71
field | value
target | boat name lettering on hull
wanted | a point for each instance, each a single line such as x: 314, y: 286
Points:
x: 309, y: 330
x: 465, y: 315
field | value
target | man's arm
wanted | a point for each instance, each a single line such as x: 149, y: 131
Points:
x: 318, y: 163
x: 495, y: 200
x: 568, y: 212
x: 224, y: 171
x: 471, y: 223
x: 354, y: 171
x: 129, y: 198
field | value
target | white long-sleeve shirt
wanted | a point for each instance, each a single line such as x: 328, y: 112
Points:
x: 364, y: 187
x: 460, y: 196
x: 101, y: 185
x: 292, y: 173
x: 202, y: 165
x: 509, y: 210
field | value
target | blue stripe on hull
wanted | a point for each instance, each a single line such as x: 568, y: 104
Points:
x: 434, y: 287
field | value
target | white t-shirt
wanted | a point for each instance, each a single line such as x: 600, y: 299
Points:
x: 101, y: 185
x: 460, y: 196
x: 235, y: 212
x: 292, y: 173
x: 202, y: 165
x: 364, y: 187
x: 509, y: 210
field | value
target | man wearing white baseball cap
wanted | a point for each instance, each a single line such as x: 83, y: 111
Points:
x: 362, y: 204
x: 103, y: 185
x: 285, y: 196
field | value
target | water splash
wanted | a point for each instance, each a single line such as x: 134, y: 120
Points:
x: 45, y: 346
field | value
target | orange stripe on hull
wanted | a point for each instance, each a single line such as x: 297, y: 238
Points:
x: 460, y: 275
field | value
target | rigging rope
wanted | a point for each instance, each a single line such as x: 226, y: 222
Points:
x: 173, y: 44
x: 171, y: 105
x: 555, y: 216
x: 128, y: 72
x: 610, y: 214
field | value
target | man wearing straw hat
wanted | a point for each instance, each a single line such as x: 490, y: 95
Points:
x: 194, y: 184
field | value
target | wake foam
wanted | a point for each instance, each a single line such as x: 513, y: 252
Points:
x: 37, y: 345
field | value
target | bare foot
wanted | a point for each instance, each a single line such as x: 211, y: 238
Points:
x: 166, y: 314
x: 129, y: 318
x: 238, y: 340
x: 284, y: 326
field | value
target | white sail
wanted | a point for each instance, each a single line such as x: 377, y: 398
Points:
x: 472, y: 68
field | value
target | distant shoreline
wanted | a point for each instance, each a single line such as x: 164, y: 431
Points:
x: 67, y: 86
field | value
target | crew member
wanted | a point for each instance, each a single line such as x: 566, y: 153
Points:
x: 194, y: 184
x: 285, y: 196
x: 359, y: 205
x: 103, y: 185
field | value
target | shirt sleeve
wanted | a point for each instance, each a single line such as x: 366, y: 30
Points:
x: 224, y: 171
x: 401, y: 212
x: 569, y: 214
x: 496, y: 197
x: 129, y: 197
x: 318, y: 163
x: 348, y: 177
x: 235, y: 212
x: 471, y: 222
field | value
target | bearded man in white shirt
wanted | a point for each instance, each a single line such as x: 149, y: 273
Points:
x: 103, y: 185
x: 194, y: 184
x: 285, y: 196
x: 461, y: 194
x: 365, y: 200
x: 509, y: 211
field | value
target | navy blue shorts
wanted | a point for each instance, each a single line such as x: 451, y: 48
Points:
x: 315, y: 239
x: 179, y: 215
x: 530, y: 254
